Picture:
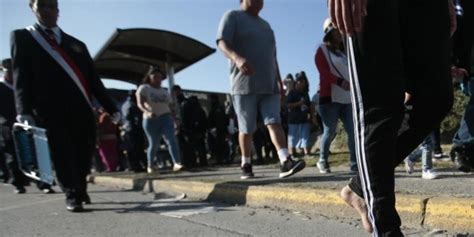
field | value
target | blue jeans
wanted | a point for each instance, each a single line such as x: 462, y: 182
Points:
x: 465, y: 133
x: 330, y: 114
x: 155, y: 128
x: 425, y: 151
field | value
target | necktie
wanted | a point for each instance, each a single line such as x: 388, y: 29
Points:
x: 51, y: 35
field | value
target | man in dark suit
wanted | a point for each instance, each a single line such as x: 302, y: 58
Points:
x: 54, y: 81
x: 7, y: 112
x: 7, y: 150
x: 132, y: 133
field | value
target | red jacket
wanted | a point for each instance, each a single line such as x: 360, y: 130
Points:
x: 326, y: 78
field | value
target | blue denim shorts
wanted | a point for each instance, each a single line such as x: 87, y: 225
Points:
x: 247, y: 107
x: 298, y: 135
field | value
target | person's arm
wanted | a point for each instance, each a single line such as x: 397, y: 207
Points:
x: 141, y: 100
x: 225, y: 37
x: 293, y: 105
x: 238, y: 60
x: 22, y: 76
x: 326, y: 76
x: 292, y: 101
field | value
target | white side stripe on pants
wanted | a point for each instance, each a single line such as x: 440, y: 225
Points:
x: 359, y: 130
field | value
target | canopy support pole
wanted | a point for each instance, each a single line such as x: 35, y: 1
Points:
x: 170, y: 74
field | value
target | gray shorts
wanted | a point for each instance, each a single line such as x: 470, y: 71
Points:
x: 247, y: 108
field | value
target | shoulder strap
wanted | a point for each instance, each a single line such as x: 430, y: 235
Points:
x: 60, y: 57
x: 327, y: 52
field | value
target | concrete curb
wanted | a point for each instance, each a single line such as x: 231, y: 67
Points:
x: 449, y: 213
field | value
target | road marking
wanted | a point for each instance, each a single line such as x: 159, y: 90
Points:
x: 30, y: 204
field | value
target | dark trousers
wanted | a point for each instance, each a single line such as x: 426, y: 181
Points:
x: 436, y: 139
x: 187, y: 154
x: 3, y: 167
x: 17, y: 178
x: 394, y: 55
x: 4, y: 137
x: 134, y: 144
x: 72, y: 143
x: 198, y: 146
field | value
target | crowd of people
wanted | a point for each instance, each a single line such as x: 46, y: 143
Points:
x: 380, y: 75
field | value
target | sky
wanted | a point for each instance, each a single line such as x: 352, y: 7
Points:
x: 297, y: 25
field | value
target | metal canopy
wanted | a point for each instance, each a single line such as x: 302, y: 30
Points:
x: 128, y: 54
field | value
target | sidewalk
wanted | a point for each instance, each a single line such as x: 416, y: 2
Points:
x: 445, y: 203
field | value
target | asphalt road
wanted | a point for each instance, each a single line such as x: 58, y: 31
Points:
x: 116, y: 212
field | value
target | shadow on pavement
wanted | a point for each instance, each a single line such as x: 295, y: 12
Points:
x: 235, y: 192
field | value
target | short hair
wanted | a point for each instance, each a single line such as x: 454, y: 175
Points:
x: 7, y: 64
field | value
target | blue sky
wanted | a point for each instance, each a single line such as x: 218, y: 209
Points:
x: 297, y: 25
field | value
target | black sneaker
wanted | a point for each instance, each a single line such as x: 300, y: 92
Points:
x: 246, y: 171
x: 459, y: 158
x: 291, y: 167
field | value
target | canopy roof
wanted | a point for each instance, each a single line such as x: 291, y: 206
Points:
x: 128, y: 54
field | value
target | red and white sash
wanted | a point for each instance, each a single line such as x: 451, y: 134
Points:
x: 63, y: 60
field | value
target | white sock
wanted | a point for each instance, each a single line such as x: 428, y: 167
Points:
x: 245, y: 160
x: 283, y: 155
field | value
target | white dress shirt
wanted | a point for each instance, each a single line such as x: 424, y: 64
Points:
x: 56, y: 30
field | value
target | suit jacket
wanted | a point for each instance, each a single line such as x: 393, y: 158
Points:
x: 7, y: 105
x: 44, y: 89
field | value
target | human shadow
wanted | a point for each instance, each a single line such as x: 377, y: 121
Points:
x: 173, y: 208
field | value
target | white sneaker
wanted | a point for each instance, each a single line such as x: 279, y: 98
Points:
x: 149, y: 169
x: 409, y: 166
x: 429, y: 174
x: 177, y: 167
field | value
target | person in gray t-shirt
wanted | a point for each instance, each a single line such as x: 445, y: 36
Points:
x: 248, y: 42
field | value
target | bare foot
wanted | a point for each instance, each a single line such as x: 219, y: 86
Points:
x: 356, y: 202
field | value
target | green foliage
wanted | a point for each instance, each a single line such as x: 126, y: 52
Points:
x: 450, y: 124
x: 340, y: 141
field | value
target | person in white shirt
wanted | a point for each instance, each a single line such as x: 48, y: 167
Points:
x: 158, y: 122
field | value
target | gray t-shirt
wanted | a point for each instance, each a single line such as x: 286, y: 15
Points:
x: 252, y: 38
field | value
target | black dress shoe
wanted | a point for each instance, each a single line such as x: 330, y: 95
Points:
x: 86, y: 199
x: 20, y: 190
x: 74, y: 207
x: 48, y: 191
